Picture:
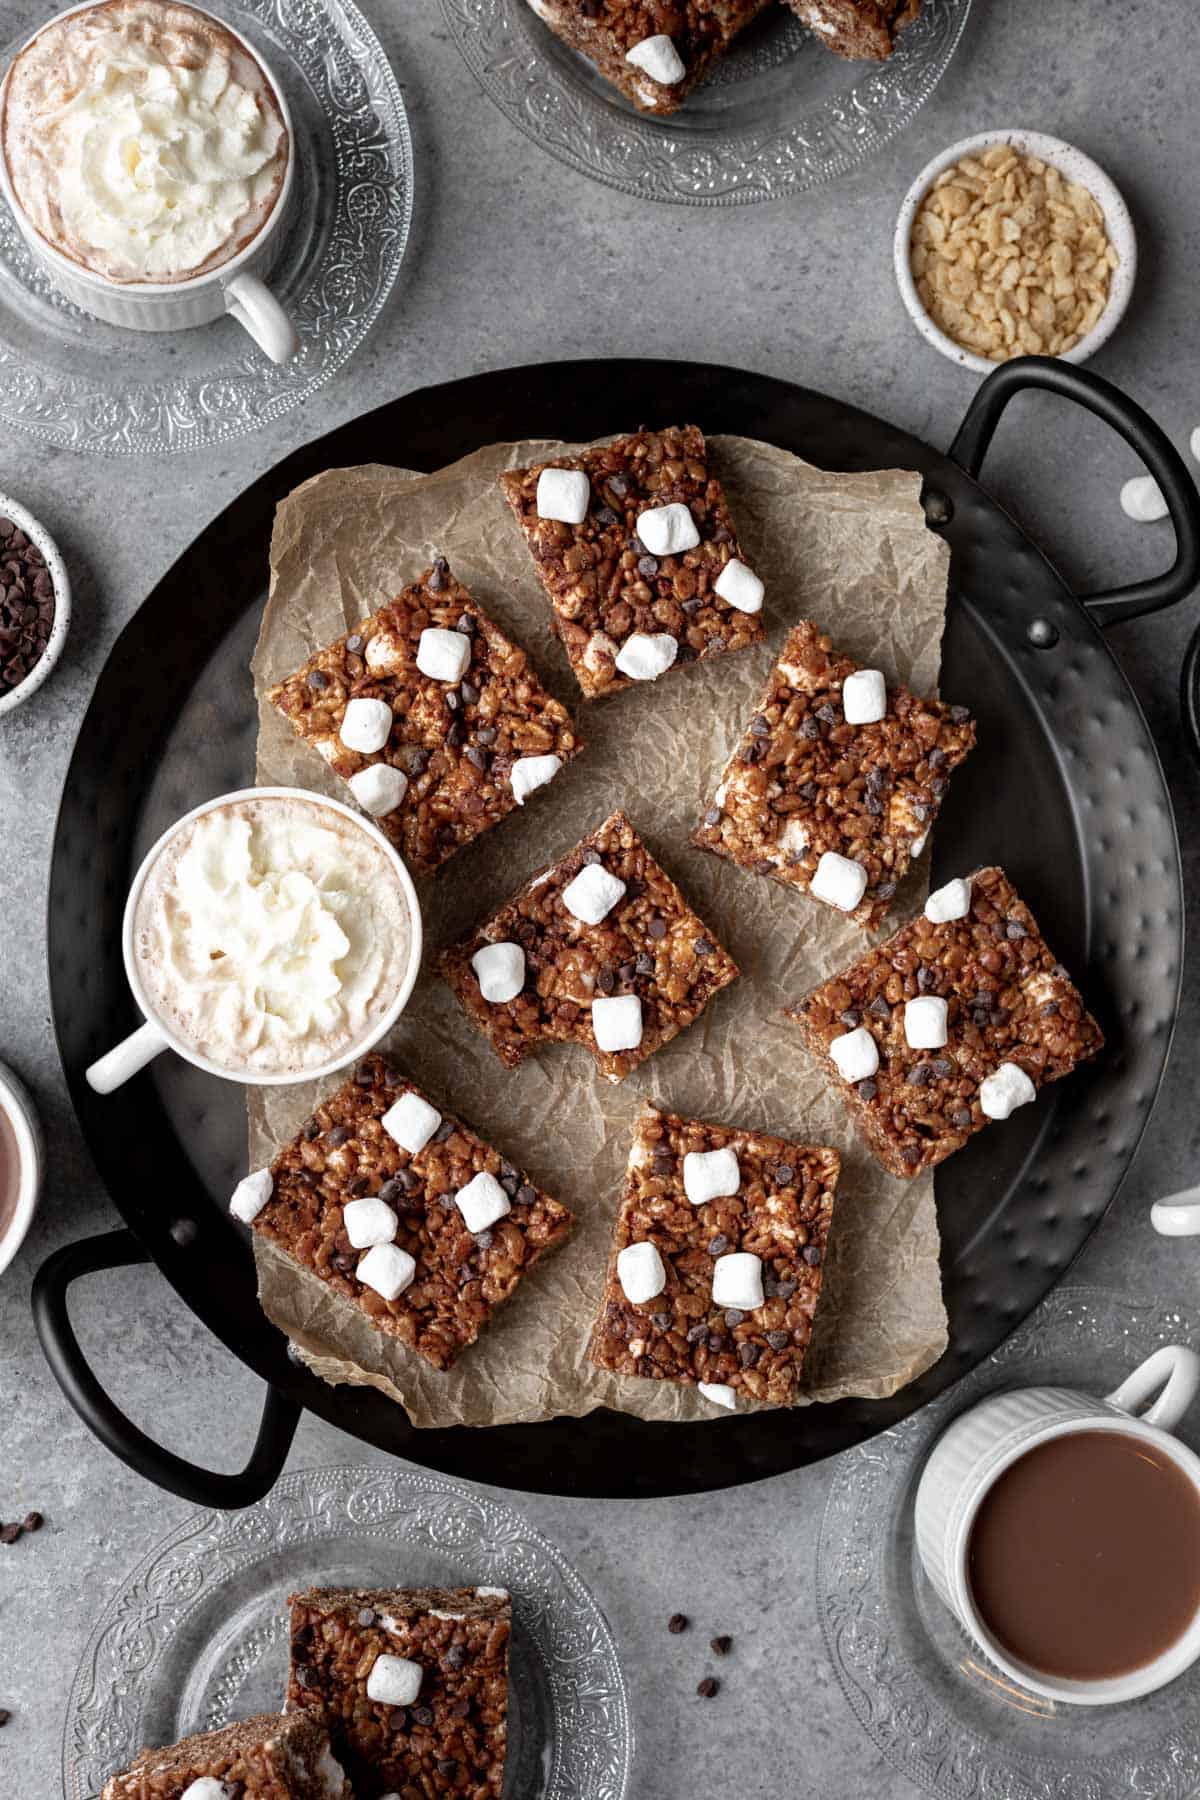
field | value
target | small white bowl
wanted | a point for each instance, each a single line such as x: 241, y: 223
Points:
x: 17, y: 1108
x: 37, y: 534
x: 1076, y: 167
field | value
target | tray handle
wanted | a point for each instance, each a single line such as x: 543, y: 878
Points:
x: 204, y: 1487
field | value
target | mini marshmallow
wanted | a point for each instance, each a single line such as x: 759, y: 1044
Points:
x: 251, y: 1195
x: 563, y: 494
x: 482, y: 1202
x: 394, y: 1681
x: 856, y: 1054
x: 1004, y: 1091
x: 640, y: 1272
x: 369, y: 1221
x: 720, y: 1393
x: 208, y: 1788
x: 529, y: 773
x: 864, y: 697
x: 500, y: 972
x: 839, y: 881
x: 492, y: 1593
x: 668, y: 530
x: 387, y: 1269
x: 918, y: 844
x: 411, y: 1122
x: 925, y: 1022
x: 739, y: 587
x: 710, y: 1174
x: 1142, y: 499
x: 593, y: 894
x: 646, y: 656
x: 617, y: 1022
x: 950, y: 902
x: 443, y: 655
x: 662, y: 63
x: 366, y: 725
x: 379, y: 789
x: 737, y: 1281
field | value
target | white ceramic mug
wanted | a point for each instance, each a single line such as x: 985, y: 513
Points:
x: 235, y: 287
x: 975, y: 1451
x: 155, y: 1035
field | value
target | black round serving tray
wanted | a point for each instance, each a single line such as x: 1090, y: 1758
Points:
x: 1065, y: 791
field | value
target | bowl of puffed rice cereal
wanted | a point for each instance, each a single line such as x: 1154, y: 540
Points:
x: 1012, y: 243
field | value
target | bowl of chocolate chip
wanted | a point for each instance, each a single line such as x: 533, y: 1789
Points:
x: 35, y: 604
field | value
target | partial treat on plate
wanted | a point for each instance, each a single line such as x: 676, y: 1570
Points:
x: 412, y: 1685
x: 264, y: 1758
x: 716, y: 1261
x: 404, y: 1211
x: 837, y: 780
x: 858, y: 28
x: 637, y: 551
x: 599, y: 948
x: 955, y: 1021
x: 654, y: 54
x: 433, y: 717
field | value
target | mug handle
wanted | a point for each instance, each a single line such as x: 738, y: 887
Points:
x: 126, y: 1058
x: 1178, y: 1215
x: 1176, y: 1370
x: 255, y: 307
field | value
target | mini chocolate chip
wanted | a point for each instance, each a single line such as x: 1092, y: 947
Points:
x: 719, y: 1245
x: 960, y: 714
x: 312, y: 1130
x: 712, y: 816
x: 645, y: 964
x: 657, y: 929
x: 748, y: 1355
x: 808, y: 791
x: 366, y: 1617
x: 456, y: 733
x: 606, y: 981
x: 33, y: 1521
x: 812, y: 1256
x: 919, y: 1075
x: 960, y: 1118
x: 526, y: 1194
x: 478, y: 758
x: 444, y: 1130
x: 10, y: 1533
x: 709, y: 1688
x: 647, y: 567
x: 617, y: 485
x: 779, y: 1290
x: 1015, y: 929
x: 867, y: 1089
x: 937, y: 757
x: 716, y: 1341
x: 605, y: 516
x: 909, y: 1153
x: 720, y: 1646
x: 467, y: 623
x: 809, y: 727
x: 784, y: 1173
x: 874, y: 806
x: 885, y: 890
x: 341, y: 1134
x: 354, y: 642
x: 697, y: 1332
x: 851, y: 1018
x: 437, y: 575
x: 469, y: 692
x: 942, y: 1067
x: 318, y: 680
x: 485, y: 1239
x: 778, y: 1340
x: 677, y: 1623
x: 364, y: 1075
x: 451, y: 699
x: 455, y: 1656
x: 422, y: 1715
x: 391, y: 1192
x: 734, y: 1318
x: 925, y: 977
x: 760, y: 727
x: 661, y: 1321
x: 827, y: 714
x: 879, y: 1008
x: 305, y: 1677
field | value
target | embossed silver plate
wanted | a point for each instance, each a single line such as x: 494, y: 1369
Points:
x: 92, y: 387
x: 778, y: 115
x: 197, y: 1635
x: 934, y: 1706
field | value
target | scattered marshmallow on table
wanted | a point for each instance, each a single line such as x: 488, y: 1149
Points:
x: 720, y: 1393
x: 1142, y: 499
x: 839, y: 881
x: 660, y: 60
x: 500, y: 972
x: 563, y: 494
x: 369, y: 1221
x: 379, y: 789
x: 443, y: 655
x: 950, y: 902
x: 366, y: 725
x: 668, y: 530
x: 739, y: 587
x: 251, y: 1195
x: 647, y: 655
x: 640, y: 1272
x: 387, y: 1269
x: 591, y: 896
x: 856, y: 1054
x: 864, y: 697
x: 710, y: 1175
x: 529, y: 773
x: 737, y: 1281
x: 411, y: 1122
x: 482, y: 1202
x: 617, y: 1022
x: 394, y: 1681
x: 1002, y: 1092
x: 925, y: 1022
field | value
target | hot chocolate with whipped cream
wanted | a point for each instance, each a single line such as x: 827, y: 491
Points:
x: 272, y: 935
x: 143, y: 140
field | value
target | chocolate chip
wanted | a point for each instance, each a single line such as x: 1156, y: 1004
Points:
x: 605, y: 516
x: 867, y: 1089
x: 937, y: 757
x: 657, y: 929
x: 716, y: 1341
x: 784, y: 1173
x: 437, y: 575
x: 341, y: 1134
x: 851, y: 1018
x: 444, y: 1130
x: 456, y: 734
x: 479, y: 759
x: 712, y: 816
x: 305, y: 1677
x: 1014, y: 929
x: 719, y: 1245
x: 720, y: 1646
x: 942, y: 1067
x: 809, y: 727
x: 455, y: 1656
x: 697, y: 1332
x: 33, y: 1521
x: 702, y: 947
x: 606, y: 981
x: 885, y: 890
x: 778, y: 1290
x: 919, y: 1075
x: 661, y: 1321
x: 422, y: 1715
x: 467, y: 623
x: 778, y: 1340
x: 645, y: 964
x: 485, y: 1239
x: 960, y: 1118
x: 910, y: 1154
x: 317, y: 680
x: 364, y: 1076
x: 748, y: 1355
x: 10, y: 1533
x: 734, y: 1318
x: 647, y: 567
x: 808, y: 791
x: 618, y: 485
x: 526, y: 1194
x: 677, y: 1623
x: 960, y: 714
x: 447, y: 1766
x: 874, y: 806
x: 366, y: 1617
x: 5, y: 1716
x: 590, y: 858
x: 812, y: 1256
x: 879, y: 1008
x: 760, y: 727
x: 926, y: 977
x: 708, y: 1688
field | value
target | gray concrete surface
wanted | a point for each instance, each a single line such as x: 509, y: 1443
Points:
x: 515, y: 259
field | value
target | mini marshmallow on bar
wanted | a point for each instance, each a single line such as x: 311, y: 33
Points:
x: 856, y: 1054
x: 443, y: 655
x: 738, y: 1281
x: 251, y: 1195
x: 668, y: 530
x: 839, y: 881
x: 710, y: 1175
x: 593, y: 894
x: 658, y: 58
x: 529, y: 773
x: 500, y: 971
x: 563, y: 495
x: 388, y: 1270
x: 394, y: 1681
x: 950, y: 902
x: 482, y: 1202
x: 646, y: 656
x: 641, y: 1273
x: 740, y: 587
x: 379, y: 789
x: 366, y: 725
x: 864, y: 697
x: 411, y: 1122
x: 617, y: 1022
x: 369, y: 1221
x: 925, y: 1026
x: 1002, y: 1092
x: 719, y: 1393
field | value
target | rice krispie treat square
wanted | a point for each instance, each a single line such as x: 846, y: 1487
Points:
x: 654, y: 51
x: 857, y: 28
x: 264, y: 1758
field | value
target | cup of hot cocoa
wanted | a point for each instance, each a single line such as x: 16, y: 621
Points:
x: 270, y: 936
x: 146, y: 152
x: 1063, y: 1531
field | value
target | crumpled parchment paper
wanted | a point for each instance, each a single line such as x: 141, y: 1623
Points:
x: 852, y: 552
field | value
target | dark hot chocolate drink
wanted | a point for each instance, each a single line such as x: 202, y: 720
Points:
x: 10, y: 1174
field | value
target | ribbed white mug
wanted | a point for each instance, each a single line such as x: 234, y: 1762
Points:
x: 977, y: 1448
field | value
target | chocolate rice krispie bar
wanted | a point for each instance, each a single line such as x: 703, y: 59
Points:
x: 636, y: 549
x: 837, y: 780
x: 955, y: 1021
x: 264, y: 1758
x: 716, y: 1260
x: 654, y: 51
x: 412, y: 1685
x: 434, y: 717
x: 857, y: 28
x: 599, y: 948
x: 404, y: 1211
